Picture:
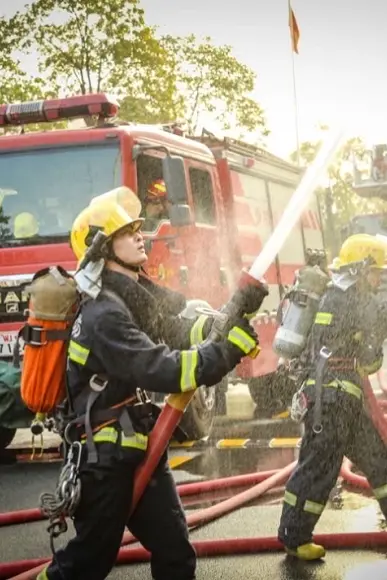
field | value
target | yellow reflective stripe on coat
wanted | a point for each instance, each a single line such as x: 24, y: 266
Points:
x: 42, y: 575
x: 110, y: 435
x: 189, y: 362
x: 380, y: 492
x: 78, y: 353
x: 324, y: 318
x: 241, y: 339
x: 196, y: 334
x: 290, y: 498
x: 312, y: 507
x: 346, y: 386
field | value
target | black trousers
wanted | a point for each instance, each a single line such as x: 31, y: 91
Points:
x: 347, y: 431
x: 158, y: 523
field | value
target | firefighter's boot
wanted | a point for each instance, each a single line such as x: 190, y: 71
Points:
x: 307, y: 552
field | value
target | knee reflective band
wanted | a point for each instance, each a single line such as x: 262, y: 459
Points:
x: 311, y: 507
x: 196, y: 334
x: 78, y: 353
x: 346, y: 386
x: 380, y: 492
x: 323, y: 318
x: 110, y: 435
x: 241, y: 339
x: 290, y: 498
x: 189, y: 362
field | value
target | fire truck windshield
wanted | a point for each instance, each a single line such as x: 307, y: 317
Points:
x: 43, y: 190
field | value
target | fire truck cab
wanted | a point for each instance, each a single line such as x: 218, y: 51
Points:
x: 224, y: 196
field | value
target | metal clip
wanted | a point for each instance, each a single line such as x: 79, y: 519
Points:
x: 325, y: 353
x: 33, y: 447
x: 97, y: 384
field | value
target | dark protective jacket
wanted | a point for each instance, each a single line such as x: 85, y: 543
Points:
x: 141, y: 345
x: 349, y: 325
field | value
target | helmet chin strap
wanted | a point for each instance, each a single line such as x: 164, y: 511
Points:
x: 110, y: 255
x: 126, y: 265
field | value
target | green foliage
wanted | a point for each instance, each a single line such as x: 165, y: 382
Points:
x: 339, y: 202
x: 211, y: 80
x: 88, y: 46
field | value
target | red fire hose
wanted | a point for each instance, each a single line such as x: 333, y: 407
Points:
x: 163, y: 435
x: 186, y: 489
x: 194, y: 520
x: 205, y: 548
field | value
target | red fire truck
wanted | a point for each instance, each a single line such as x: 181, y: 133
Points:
x: 226, y: 198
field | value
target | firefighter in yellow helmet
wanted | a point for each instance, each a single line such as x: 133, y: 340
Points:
x: 126, y: 341
x: 156, y: 204
x: 345, y: 344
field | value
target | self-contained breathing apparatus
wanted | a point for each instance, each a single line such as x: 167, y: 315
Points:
x: 293, y: 338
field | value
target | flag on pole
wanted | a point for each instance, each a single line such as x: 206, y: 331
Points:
x: 294, y: 30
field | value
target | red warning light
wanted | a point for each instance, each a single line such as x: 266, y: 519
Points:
x: 58, y: 109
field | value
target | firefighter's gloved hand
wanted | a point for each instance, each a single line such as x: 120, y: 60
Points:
x: 243, y: 336
x: 249, y: 298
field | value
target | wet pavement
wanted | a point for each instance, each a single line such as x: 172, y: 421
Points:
x: 268, y: 446
x: 21, y: 484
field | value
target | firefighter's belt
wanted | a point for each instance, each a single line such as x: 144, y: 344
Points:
x: 86, y: 421
x: 345, y: 386
x: 324, y: 355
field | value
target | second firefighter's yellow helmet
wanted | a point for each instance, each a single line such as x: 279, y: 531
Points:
x: 105, y: 215
x: 360, y: 247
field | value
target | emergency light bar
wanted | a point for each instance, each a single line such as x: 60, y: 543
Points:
x: 58, y: 109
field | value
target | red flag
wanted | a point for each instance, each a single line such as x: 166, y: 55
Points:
x: 294, y: 30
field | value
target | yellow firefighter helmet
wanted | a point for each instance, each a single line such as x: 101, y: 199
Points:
x: 25, y: 225
x: 360, y: 247
x: 104, y: 215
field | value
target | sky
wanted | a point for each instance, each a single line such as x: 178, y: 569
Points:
x: 340, y: 72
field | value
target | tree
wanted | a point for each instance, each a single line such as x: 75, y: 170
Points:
x: 339, y: 202
x: 211, y: 80
x: 97, y: 45
x: 15, y: 84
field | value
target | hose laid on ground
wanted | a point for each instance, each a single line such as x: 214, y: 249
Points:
x: 205, y: 548
x: 194, y: 520
x: 163, y: 436
x: 26, y: 516
x: 353, y: 478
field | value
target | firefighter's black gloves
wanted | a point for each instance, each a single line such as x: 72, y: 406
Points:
x: 243, y: 337
x: 248, y: 300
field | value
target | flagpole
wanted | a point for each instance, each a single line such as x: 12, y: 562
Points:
x: 295, y: 103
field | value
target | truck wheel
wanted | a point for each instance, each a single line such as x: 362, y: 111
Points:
x: 271, y: 393
x: 198, y: 419
x: 6, y: 436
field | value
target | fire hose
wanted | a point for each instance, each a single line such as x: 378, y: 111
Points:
x: 176, y: 404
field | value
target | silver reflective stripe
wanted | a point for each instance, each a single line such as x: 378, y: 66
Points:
x: 290, y: 498
x: 78, y: 353
x: 189, y: 361
x: 313, y: 507
x: 380, y: 492
x: 196, y: 334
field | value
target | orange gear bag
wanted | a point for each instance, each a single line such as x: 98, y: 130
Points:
x: 53, y: 303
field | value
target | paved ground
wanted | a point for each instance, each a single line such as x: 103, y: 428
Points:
x: 21, y: 484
